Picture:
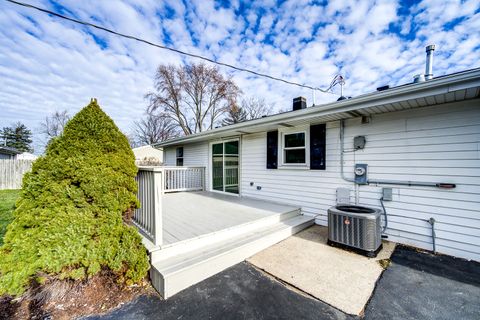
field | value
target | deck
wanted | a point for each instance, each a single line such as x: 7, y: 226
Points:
x: 189, y: 215
x: 192, y: 234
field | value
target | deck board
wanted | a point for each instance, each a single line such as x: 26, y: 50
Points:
x: 188, y: 215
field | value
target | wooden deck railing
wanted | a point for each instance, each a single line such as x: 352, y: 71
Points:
x: 184, y: 179
x: 148, y: 218
x: 153, y: 182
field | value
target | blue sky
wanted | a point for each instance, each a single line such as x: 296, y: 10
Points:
x: 47, y: 64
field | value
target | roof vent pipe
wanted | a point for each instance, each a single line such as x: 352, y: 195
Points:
x: 418, y: 78
x: 429, y: 65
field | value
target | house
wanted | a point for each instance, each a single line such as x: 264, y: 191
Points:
x: 26, y: 156
x: 8, y: 152
x: 148, y: 155
x: 14, y: 154
x: 419, y: 140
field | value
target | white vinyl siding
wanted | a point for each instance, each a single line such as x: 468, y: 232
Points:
x: 432, y: 144
x: 170, y: 156
x: 194, y: 155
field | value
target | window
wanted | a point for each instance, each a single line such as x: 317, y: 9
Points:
x: 294, y: 149
x: 300, y: 147
x: 179, y: 152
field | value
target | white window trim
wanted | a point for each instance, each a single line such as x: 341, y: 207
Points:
x: 281, y: 152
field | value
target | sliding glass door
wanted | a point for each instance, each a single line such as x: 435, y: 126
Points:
x: 217, y: 167
x: 225, y: 161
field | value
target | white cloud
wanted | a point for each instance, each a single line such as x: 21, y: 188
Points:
x: 47, y: 64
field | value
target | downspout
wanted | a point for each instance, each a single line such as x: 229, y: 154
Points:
x: 342, y: 138
x: 432, y: 223
x: 342, y: 151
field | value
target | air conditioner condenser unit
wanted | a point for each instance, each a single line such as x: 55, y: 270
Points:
x: 355, y: 227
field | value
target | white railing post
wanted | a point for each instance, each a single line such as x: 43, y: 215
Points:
x: 158, y: 214
x: 164, y: 181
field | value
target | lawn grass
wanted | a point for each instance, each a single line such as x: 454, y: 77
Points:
x: 7, y: 205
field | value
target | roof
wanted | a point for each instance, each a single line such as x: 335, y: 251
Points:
x: 459, y: 86
x: 145, y: 147
x: 26, y: 156
x: 9, y: 150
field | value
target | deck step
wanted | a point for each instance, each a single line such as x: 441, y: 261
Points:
x: 171, y: 275
x: 194, y: 244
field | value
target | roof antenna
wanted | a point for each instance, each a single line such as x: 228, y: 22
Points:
x: 341, y: 81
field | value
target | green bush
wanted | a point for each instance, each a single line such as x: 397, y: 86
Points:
x: 69, y: 218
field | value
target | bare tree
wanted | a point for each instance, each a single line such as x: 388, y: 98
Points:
x: 194, y: 96
x: 235, y: 114
x: 252, y: 108
x: 256, y: 107
x: 154, y: 128
x: 54, y: 124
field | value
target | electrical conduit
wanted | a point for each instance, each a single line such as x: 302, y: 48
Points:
x: 443, y: 185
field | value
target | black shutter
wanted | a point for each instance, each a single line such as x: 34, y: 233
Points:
x: 272, y: 149
x: 317, y: 146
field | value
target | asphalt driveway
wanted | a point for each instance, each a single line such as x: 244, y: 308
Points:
x: 424, y: 286
x: 415, y: 286
x: 240, y: 292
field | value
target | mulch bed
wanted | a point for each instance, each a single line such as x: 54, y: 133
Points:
x: 66, y: 299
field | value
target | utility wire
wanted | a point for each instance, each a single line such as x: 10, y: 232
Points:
x: 172, y: 49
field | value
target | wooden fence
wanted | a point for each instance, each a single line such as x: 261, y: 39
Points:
x: 12, y: 171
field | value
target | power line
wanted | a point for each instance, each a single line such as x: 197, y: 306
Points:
x: 88, y: 24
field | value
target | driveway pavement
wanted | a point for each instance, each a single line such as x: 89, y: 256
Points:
x: 424, y: 286
x: 415, y: 286
x: 240, y: 292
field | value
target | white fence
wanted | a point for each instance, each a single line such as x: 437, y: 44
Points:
x: 12, y: 171
x: 153, y: 182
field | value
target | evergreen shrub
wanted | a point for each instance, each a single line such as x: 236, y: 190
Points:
x: 69, y: 220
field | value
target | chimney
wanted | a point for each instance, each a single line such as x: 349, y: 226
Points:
x: 299, y: 103
x: 429, y: 64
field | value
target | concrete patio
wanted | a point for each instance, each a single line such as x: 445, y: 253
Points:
x: 343, y: 279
